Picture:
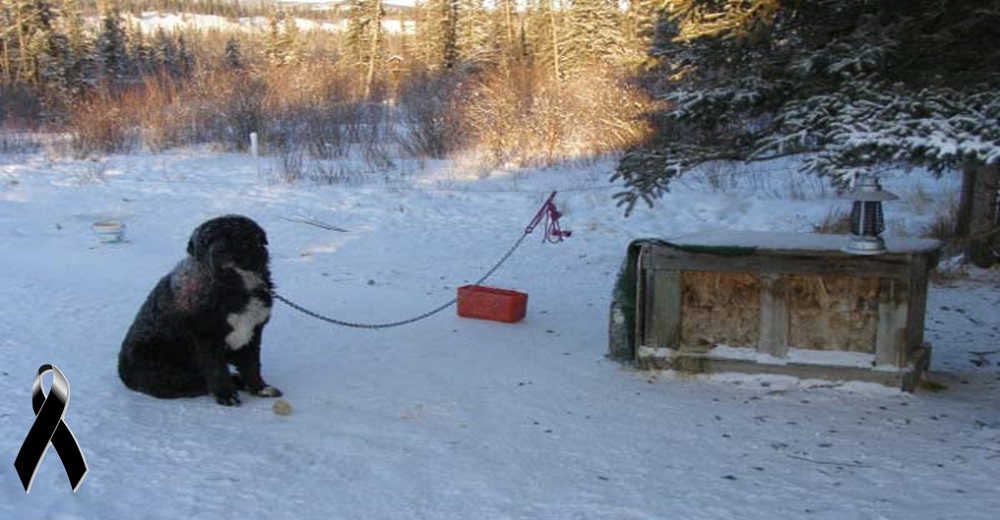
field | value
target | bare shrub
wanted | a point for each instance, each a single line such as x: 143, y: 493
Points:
x: 291, y: 164
x: 104, y: 122
x: 326, y: 174
x: 157, y: 112
x: 231, y: 105
x: 607, y: 112
x: 429, y: 126
x: 836, y: 222
x: 375, y: 136
x: 519, y: 117
x: 322, y: 115
x: 944, y: 227
x: 317, y: 109
x: 19, y: 105
x: 324, y: 133
x: 491, y: 110
x: 166, y: 118
x: 18, y: 141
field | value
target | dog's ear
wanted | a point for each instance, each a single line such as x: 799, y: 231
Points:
x: 199, y: 243
x: 194, y: 248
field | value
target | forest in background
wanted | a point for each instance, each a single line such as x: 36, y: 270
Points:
x: 851, y: 86
x: 522, y: 86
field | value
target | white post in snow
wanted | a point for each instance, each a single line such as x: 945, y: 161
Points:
x: 254, y: 148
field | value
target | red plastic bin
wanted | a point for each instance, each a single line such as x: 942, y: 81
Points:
x: 490, y: 303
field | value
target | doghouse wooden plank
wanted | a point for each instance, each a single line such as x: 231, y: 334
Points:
x: 828, y: 263
x: 774, y: 317
x: 642, y: 280
x: 664, y: 317
x: 904, y: 379
x: 893, y: 311
x: 922, y: 265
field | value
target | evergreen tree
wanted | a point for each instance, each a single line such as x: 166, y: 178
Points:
x: 140, y: 53
x: 111, y: 47
x: 471, y: 32
x: 364, y: 39
x: 360, y: 29
x: 642, y: 21
x: 38, y: 47
x: 437, y: 33
x: 51, y: 54
x: 291, y: 42
x: 233, y: 55
x: 854, y: 84
x: 547, y: 37
x: 164, y: 52
x: 272, y: 48
x: 594, y: 34
x: 185, y: 58
x: 505, y: 31
x: 81, y: 48
x: 284, y: 40
x: 453, y: 32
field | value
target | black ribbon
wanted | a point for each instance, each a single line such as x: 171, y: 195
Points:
x: 49, y: 427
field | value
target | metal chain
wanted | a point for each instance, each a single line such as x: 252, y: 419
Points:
x: 425, y: 315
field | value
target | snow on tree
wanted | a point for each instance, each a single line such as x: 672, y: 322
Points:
x: 365, y: 39
x: 852, y: 85
x: 594, y: 35
x: 438, y: 33
x: 472, y: 33
x: 283, y: 46
x: 112, y: 46
x: 233, y: 54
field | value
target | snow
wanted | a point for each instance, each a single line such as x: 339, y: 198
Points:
x: 798, y: 355
x: 152, y: 21
x: 450, y: 418
x: 791, y: 242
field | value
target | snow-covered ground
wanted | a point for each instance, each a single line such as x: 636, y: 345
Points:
x: 452, y: 418
x: 152, y: 21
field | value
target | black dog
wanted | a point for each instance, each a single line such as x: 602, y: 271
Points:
x: 203, y: 316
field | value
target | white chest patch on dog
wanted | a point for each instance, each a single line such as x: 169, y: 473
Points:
x: 244, y: 323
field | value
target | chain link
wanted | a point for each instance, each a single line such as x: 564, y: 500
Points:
x: 428, y: 314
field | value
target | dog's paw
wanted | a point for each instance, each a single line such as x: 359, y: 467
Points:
x: 228, y: 399
x: 238, y: 382
x: 269, y: 391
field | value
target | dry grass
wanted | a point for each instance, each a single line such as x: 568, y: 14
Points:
x: 429, y: 120
x: 105, y: 122
x: 518, y: 117
x: 836, y: 222
x: 945, y: 223
x: 314, y: 112
x: 17, y: 141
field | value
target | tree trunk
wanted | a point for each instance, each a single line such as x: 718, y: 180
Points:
x: 376, y: 47
x: 556, y: 51
x: 978, y: 220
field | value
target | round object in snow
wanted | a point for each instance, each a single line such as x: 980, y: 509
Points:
x: 282, y: 407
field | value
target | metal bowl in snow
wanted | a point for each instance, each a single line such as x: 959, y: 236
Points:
x: 109, y: 231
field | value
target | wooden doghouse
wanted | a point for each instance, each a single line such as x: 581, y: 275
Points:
x: 775, y: 303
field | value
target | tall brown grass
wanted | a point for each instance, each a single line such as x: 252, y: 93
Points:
x: 506, y: 117
x: 520, y: 117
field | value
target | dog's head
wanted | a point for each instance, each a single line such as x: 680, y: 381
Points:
x: 231, y: 240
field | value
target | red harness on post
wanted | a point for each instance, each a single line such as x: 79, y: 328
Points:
x: 550, y: 215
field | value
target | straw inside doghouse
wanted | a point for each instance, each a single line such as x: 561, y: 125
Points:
x: 825, y: 312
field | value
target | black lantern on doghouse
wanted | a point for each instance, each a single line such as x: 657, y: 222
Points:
x: 867, y: 222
